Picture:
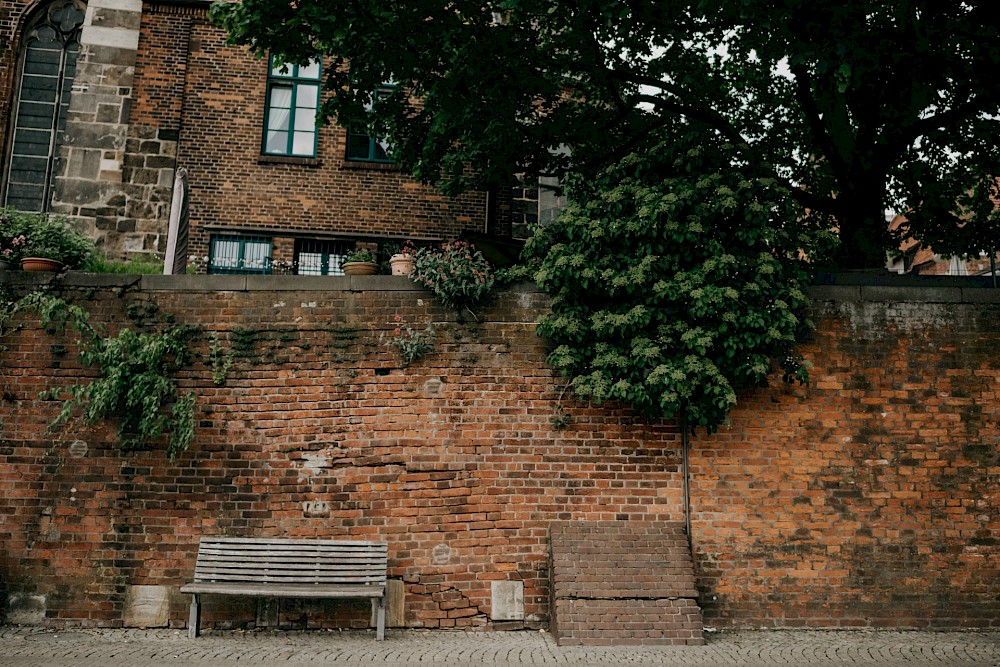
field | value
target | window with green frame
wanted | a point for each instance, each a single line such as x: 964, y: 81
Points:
x: 320, y: 258
x: 239, y: 254
x: 366, y: 147
x: 290, y: 113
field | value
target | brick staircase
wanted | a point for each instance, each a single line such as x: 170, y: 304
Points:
x: 623, y: 582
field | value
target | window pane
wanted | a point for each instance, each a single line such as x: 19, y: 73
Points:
x: 280, y: 70
x: 302, y: 143
x: 306, y: 96
x: 281, y: 97
x: 310, y: 71
x: 305, y: 120
x: 336, y: 265
x: 358, y: 146
x: 277, y: 142
x: 225, y: 254
x: 256, y: 255
x: 277, y: 119
x: 310, y: 264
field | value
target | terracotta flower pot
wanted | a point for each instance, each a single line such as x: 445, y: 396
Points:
x: 40, y: 264
x: 360, y: 268
x: 402, y: 265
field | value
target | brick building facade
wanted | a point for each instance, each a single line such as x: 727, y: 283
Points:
x: 150, y: 87
x: 868, y: 498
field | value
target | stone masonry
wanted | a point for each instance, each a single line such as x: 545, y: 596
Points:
x: 88, y: 184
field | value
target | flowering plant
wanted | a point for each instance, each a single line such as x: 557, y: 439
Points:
x: 406, y: 250
x: 456, y: 272
x: 410, y: 343
x: 12, y: 246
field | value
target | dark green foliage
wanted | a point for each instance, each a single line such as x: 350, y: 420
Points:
x: 675, y: 282
x: 857, y: 106
x: 144, y: 265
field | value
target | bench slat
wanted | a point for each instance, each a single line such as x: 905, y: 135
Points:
x: 281, y: 548
x: 289, y: 571
x: 263, y: 543
x: 283, y: 591
x: 333, y: 559
x: 295, y: 579
x: 279, y: 572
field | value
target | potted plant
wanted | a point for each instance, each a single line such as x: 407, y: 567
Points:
x: 49, y: 244
x: 360, y: 263
x: 402, y: 261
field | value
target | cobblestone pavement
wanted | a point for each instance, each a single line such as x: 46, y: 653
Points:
x: 36, y: 647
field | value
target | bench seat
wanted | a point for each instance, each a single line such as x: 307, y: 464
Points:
x: 282, y: 568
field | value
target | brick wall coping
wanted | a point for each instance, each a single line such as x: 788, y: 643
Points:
x: 923, y: 289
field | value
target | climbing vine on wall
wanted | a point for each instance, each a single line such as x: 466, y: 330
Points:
x: 135, y: 386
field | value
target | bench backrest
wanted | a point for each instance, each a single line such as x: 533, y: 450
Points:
x: 279, y: 561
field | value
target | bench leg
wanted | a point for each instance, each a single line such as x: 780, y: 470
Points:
x: 194, y: 618
x: 378, y: 609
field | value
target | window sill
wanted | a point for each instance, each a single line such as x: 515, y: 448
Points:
x: 370, y: 166
x: 289, y: 159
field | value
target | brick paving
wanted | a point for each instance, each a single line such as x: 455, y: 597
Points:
x: 36, y: 647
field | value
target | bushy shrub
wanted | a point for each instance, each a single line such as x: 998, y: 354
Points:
x: 676, y: 278
x: 456, y: 272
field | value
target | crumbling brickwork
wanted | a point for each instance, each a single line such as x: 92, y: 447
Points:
x: 867, y: 498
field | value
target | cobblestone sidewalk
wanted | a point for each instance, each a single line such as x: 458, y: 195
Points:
x: 35, y: 647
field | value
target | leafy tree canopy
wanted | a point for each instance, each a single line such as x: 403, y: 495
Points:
x: 676, y: 279
x: 857, y: 106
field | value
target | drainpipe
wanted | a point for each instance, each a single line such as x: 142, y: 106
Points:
x: 685, y: 473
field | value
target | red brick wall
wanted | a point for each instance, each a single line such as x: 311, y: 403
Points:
x: 233, y: 188
x: 868, y: 498
x: 161, y: 65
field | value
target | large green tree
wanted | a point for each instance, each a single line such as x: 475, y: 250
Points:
x: 857, y: 106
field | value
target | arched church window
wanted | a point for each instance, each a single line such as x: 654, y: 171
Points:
x: 50, y: 47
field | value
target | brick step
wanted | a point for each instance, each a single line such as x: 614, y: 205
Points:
x: 623, y: 582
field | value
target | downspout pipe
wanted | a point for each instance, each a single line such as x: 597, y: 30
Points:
x: 685, y: 482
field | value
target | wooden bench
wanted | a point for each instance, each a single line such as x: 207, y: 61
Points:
x: 278, y: 568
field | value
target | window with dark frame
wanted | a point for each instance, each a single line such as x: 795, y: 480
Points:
x: 320, y: 258
x: 48, y: 67
x: 290, y: 112
x: 365, y: 147
x: 239, y: 254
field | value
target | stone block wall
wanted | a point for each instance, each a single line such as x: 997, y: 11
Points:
x: 868, y: 498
